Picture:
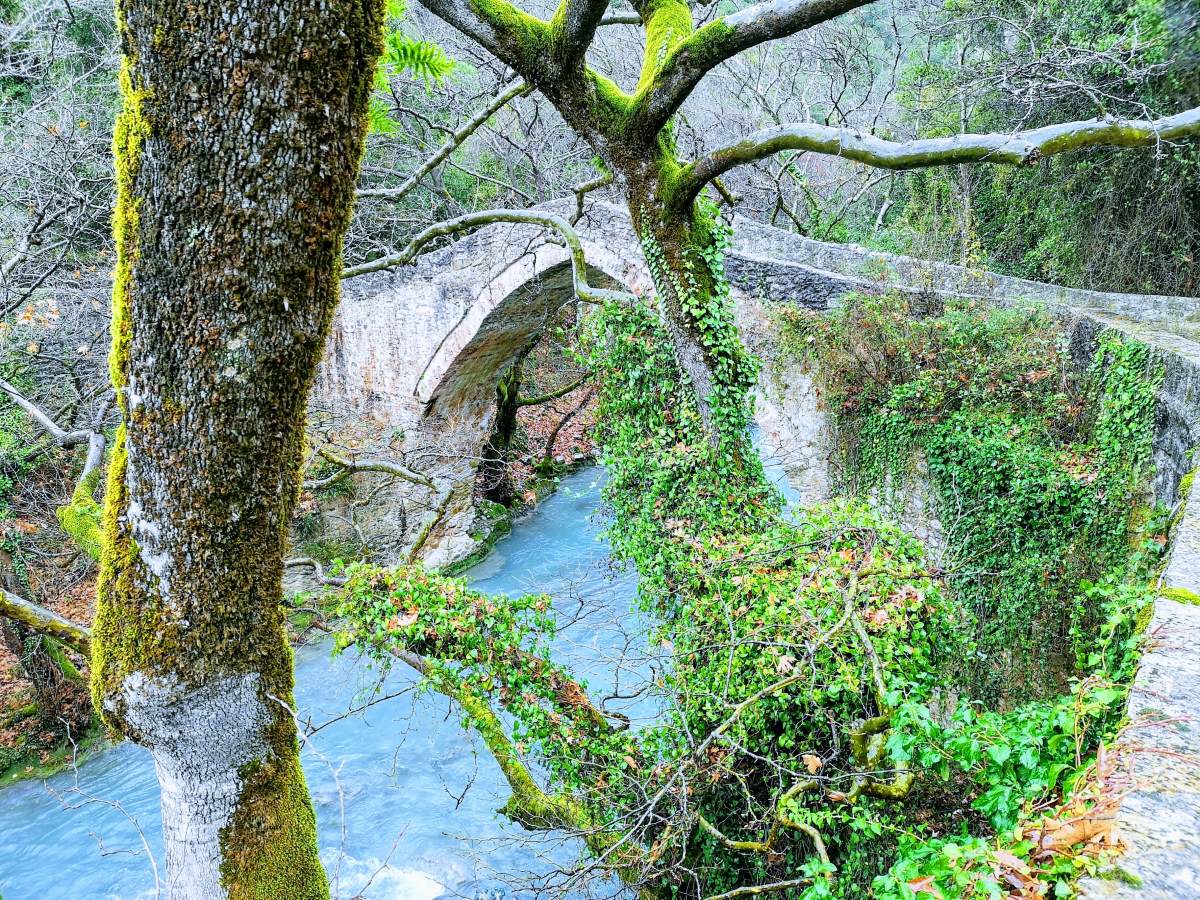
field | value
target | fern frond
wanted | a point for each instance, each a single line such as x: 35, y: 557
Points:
x: 422, y: 59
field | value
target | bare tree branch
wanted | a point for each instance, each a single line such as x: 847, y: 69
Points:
x: 518, y: 89
x: 583, y: 290
x: 307, y: 562
x: 552, y: 438
x: 349, y: 465
x: 621, y: 19
x: 60, y: 436
x: 791, y: 884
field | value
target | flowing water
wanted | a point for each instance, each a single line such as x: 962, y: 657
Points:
x: 406, y: 799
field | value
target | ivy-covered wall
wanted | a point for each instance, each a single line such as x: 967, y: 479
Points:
x: 1038, y: 469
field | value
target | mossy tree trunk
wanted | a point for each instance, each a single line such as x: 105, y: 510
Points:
x: 681, y: 251
x: 236, y: 151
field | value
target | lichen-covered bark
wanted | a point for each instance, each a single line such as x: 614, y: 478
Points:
x: 236, y: 152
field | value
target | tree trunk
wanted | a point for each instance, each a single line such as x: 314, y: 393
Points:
x: 494, y: 472
x: 684, y: 253
x: 236, y: 154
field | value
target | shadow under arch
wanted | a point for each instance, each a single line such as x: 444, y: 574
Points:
x: 507, y: 318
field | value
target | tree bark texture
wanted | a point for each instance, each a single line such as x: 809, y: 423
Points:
x: 236, y: 153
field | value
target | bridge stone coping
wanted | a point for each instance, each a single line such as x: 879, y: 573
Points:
x: 867, y: 269
x: 1158, y: 755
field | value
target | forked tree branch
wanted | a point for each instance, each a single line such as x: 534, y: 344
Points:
x: 1014, y: 148
x: 720, y: 40
x: 59, y: 435
x: 348, y: 465
x: 582, y: 190
x: 80, y: 518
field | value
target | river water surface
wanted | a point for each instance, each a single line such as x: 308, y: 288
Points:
x: 406, y: 799
x: 402, y: 792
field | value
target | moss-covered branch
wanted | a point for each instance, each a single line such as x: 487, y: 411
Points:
x: 1012, y: 148
x: 518, y: 39
x: 82, y: 518
x: 45, y: 621
x: 555, y: 394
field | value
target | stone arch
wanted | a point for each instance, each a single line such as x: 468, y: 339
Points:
x: 419, y: 351
x: 430, y: 341
x: 509, y: 313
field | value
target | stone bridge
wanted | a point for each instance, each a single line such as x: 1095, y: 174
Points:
x: 420, y: 349
x: 417, y: 352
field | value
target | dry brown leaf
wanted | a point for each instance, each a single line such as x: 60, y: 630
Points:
x: 395, y: 623
x: 925, y: 886
x: 1077, y: 831
x: 1008, y: 859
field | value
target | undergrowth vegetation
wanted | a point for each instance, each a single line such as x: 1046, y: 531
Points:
x: 841, y: 718
x: 1039, y: 472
